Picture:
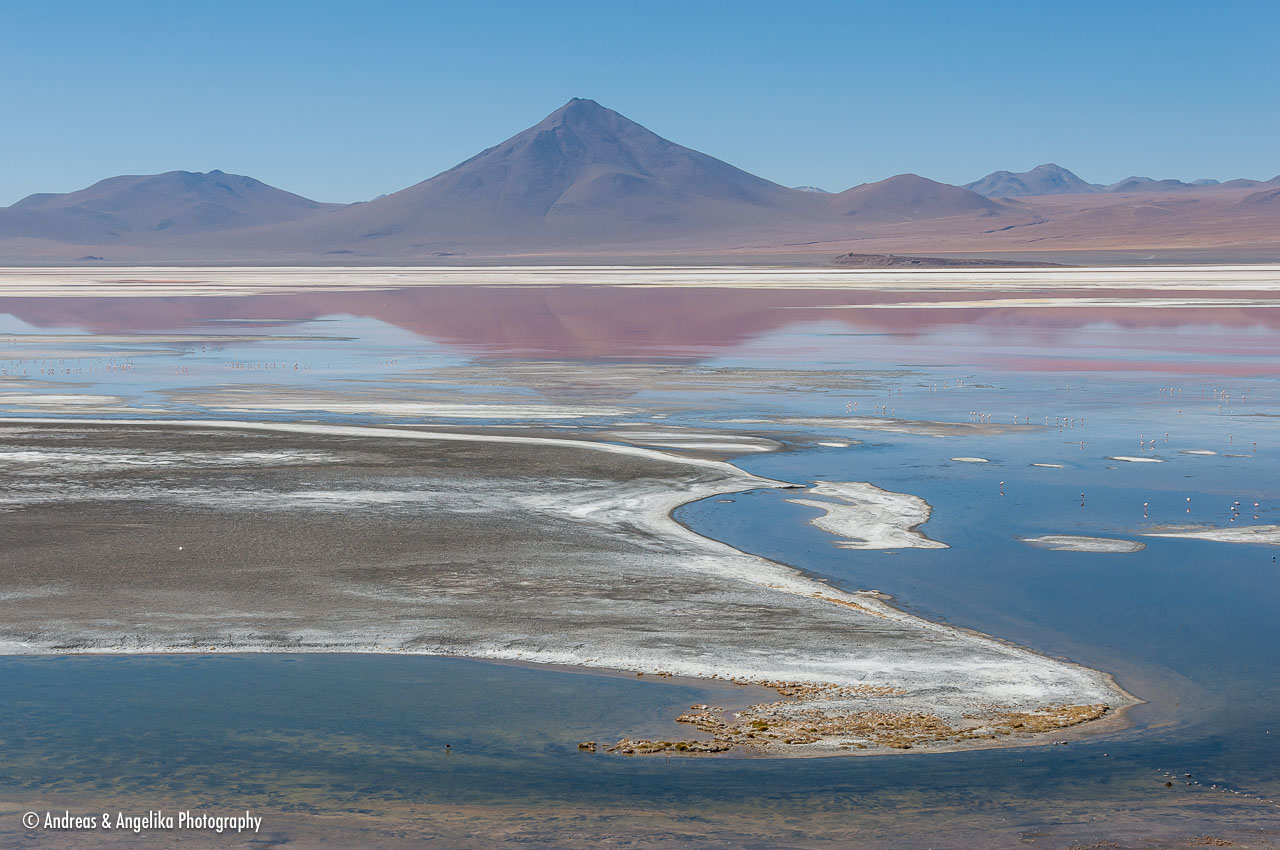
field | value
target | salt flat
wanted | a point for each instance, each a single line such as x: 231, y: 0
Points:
x: 1087, y: 283
x: 222, y: 536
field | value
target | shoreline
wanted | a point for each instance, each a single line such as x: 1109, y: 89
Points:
x: 1115, y: 720
x: 834, y: 694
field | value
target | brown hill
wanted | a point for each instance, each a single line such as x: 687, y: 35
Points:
x: 137, y: 209
x: 1047, y: 179
x: 910, y: 197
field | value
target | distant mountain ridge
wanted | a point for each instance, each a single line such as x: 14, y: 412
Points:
x: 1146, y: 184
x: 1053, y: 179
x: 588, y: 176
x: 588, y: 180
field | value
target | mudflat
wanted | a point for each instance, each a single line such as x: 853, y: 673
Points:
x: 217, y: 536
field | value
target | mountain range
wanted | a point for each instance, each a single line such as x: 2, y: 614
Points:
x: 1052, y: 179
x: 586, y: 181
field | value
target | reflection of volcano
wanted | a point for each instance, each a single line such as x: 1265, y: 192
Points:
x: 585, y: 322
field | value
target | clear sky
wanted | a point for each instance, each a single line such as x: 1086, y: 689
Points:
x: 343, y: 101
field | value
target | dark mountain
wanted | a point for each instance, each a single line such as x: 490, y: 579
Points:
x: 583, y: 175
x: 1047, y: 179
x: 137, y: 208
x: 910, y: 197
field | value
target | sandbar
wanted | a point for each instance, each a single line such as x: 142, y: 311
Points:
x: 1073, y: 543
x: 890, y: 425
x: 1265, y: 534
x: 867, y: 517
x: 692, y: 439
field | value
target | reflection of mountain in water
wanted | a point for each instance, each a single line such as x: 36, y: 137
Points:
x: 576, y: 322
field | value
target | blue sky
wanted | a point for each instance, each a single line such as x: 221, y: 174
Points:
x: 344, y: 101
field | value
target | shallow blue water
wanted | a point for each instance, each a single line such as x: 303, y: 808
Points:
x: 1191, y: 627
